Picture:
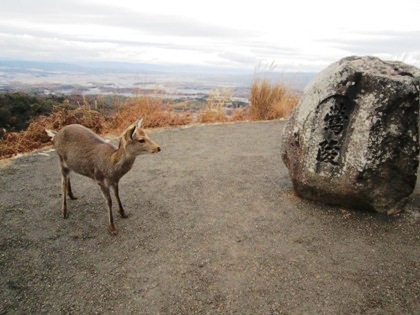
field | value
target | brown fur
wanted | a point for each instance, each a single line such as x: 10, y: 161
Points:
x: 82, y: 151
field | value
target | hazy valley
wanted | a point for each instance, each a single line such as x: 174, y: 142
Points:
x: 133, y: 79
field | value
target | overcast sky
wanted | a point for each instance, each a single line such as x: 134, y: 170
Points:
x: 297, y: 35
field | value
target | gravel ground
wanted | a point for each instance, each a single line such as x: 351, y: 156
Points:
x: 214, y: 228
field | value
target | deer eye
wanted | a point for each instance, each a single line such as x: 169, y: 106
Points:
x: 142, y: 141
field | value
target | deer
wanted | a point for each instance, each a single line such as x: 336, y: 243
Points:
x: 82, y: 151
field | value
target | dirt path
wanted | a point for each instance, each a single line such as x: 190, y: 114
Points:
x: 213, y: 228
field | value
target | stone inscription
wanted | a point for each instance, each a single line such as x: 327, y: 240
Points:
x: 328, y: 152
x: 335, y: 121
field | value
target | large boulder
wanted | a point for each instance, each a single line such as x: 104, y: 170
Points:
x: 353, y: 139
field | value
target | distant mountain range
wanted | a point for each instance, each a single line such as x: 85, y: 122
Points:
x: 26, y: 74
x: 111, y: 67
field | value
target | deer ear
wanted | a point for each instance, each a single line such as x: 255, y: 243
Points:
x: 128, y: 133
x: 138, y: 125
x: 131, y: 130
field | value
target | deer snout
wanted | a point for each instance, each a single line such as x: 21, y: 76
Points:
x: 157, y: 149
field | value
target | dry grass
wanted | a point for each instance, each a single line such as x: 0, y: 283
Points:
x: 270, y: 98
x: 241, y: 114
x: 212, y: 116
x: 154, y: 112
x: 214, y: 111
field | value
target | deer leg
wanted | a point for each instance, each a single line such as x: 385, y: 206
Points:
x: 117, y: 196
x: 69, y: 191
x: 64, y: 181
x: 105, y: 192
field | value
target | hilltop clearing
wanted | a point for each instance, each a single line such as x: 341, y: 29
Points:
x: 214, y: 227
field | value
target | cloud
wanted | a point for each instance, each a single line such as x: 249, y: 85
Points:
x: 301, y: 37
x: 373, y: 42
x: 235, y: 58
x: 38, y: 48
x: 85, y: 30
x: 61, y: 13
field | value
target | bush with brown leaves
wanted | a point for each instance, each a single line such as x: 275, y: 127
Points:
x: 268, y: 101
x: 35, y: 136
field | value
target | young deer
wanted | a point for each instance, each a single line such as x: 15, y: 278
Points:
x: 82, y: 151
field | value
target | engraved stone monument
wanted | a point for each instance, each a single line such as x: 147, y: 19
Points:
x: 353, y: 139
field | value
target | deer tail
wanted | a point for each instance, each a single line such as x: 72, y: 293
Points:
x: 51, y: 133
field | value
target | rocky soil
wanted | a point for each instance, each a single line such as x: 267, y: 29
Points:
x: 214, y: 227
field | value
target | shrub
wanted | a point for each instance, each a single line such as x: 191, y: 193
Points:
x: 35, y: 137
x: 17, y: 109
